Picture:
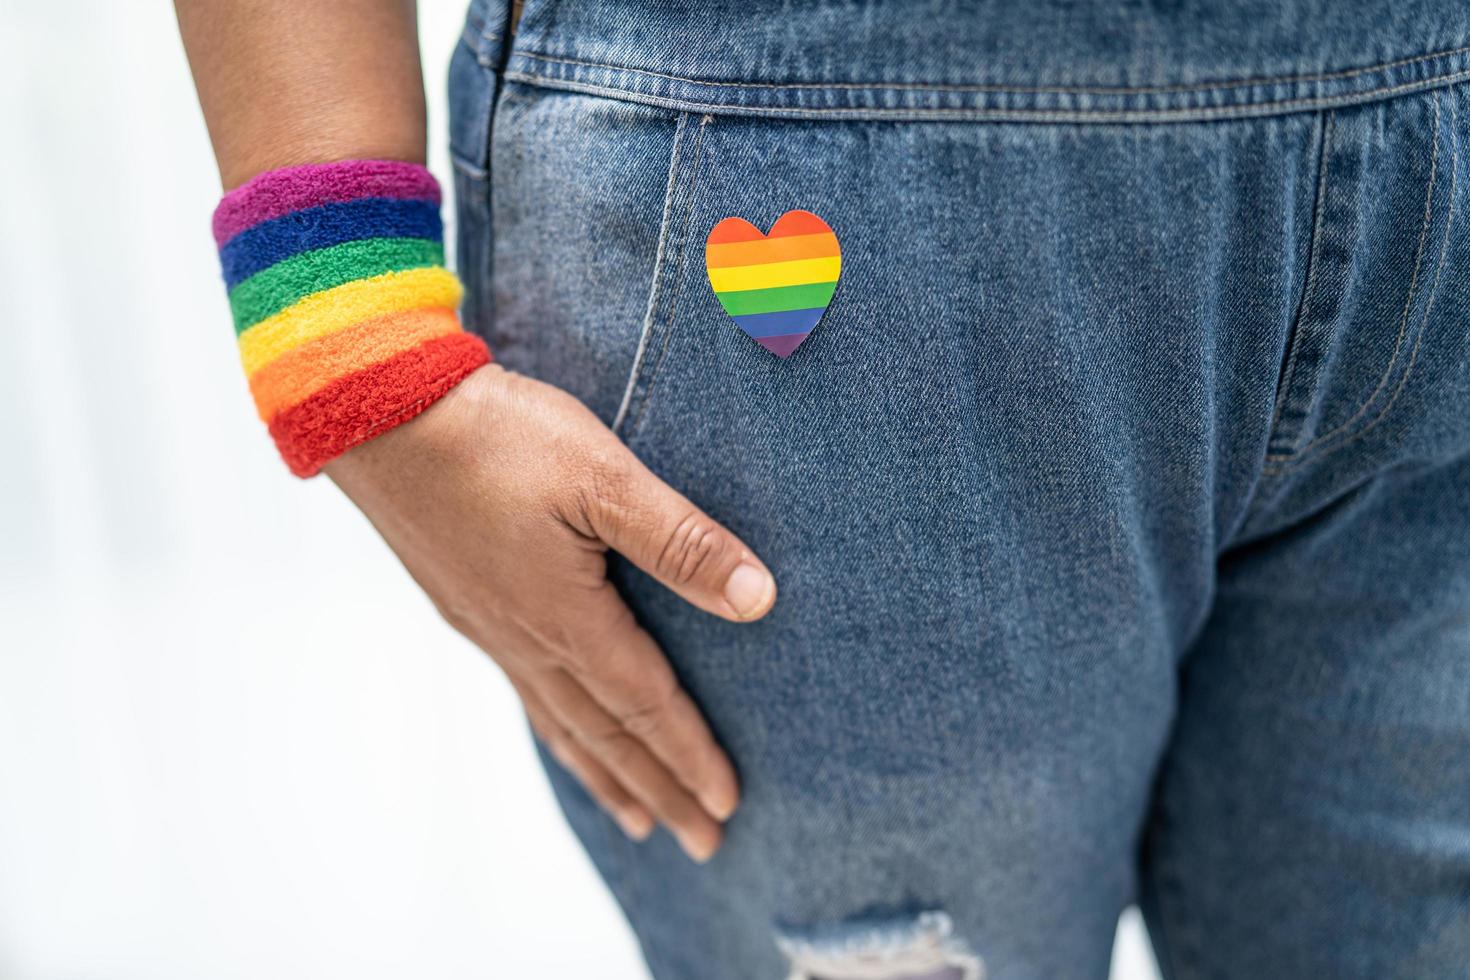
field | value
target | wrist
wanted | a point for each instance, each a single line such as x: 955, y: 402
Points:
x: 437, y: 434
x: 344, y: 313
x: 319, y: 141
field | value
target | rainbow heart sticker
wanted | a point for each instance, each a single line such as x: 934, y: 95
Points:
x: 775, y: 286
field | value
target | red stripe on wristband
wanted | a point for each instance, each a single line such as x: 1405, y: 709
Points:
x: 354, y: 408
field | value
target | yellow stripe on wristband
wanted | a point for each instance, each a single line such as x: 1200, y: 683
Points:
x: 342, y: 306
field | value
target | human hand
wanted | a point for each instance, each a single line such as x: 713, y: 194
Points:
x: 502, y: 501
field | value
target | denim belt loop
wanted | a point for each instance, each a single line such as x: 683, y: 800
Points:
x: 495, y: 26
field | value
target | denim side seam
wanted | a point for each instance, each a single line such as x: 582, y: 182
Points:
x: 1278, y: 462
x: 1226, y: 99
x: 475, y: 90
x: 667, y: 278
x: 486, y: 41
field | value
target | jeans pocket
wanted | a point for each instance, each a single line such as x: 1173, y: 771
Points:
x: 676, y: 241
x: 1378, y: 373
x: 590, y: 199
x: 1385, y: 214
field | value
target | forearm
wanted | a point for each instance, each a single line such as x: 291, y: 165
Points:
x: 330, y: 239
x: 284, y: 82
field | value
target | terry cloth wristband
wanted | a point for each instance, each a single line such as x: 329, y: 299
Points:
x: 343, y: 309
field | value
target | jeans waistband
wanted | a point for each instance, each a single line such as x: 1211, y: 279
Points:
x: 1043, y: 60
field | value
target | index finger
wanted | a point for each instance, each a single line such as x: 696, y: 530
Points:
x: 628, y: 675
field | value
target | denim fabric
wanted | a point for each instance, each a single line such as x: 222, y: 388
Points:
x: 1119, y: 503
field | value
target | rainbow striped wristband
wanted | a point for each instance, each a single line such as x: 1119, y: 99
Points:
x: 343, y: 309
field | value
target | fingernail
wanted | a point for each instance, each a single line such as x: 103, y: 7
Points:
x: 698, y: 852
x: 748, y: 589
x: 720, y: 807
x: 636, y: 825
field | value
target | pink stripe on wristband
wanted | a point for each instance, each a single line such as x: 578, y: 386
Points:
x: 279, y: 192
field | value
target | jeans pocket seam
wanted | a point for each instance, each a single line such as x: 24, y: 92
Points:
x: 1360, y: 423
x: 667, y: 279
x: 1298, y: 329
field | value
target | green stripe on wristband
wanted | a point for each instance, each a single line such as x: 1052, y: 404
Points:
x: 283, y: 284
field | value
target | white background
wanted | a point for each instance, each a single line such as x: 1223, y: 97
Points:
x: 235, y: 741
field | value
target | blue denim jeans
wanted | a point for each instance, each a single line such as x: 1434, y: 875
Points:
x: 1119, y: 503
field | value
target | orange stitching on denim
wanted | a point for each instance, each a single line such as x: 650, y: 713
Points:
x: 1186, y: 114
x: 1030, y: 90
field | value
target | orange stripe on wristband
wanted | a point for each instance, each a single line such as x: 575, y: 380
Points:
x: 297, y: 374
x: 352, y: 409
x: 340, y: 307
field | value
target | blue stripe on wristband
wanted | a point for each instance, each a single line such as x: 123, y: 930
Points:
x: 281, y: 238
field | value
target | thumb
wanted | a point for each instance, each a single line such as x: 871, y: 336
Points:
x: 659, y: 530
